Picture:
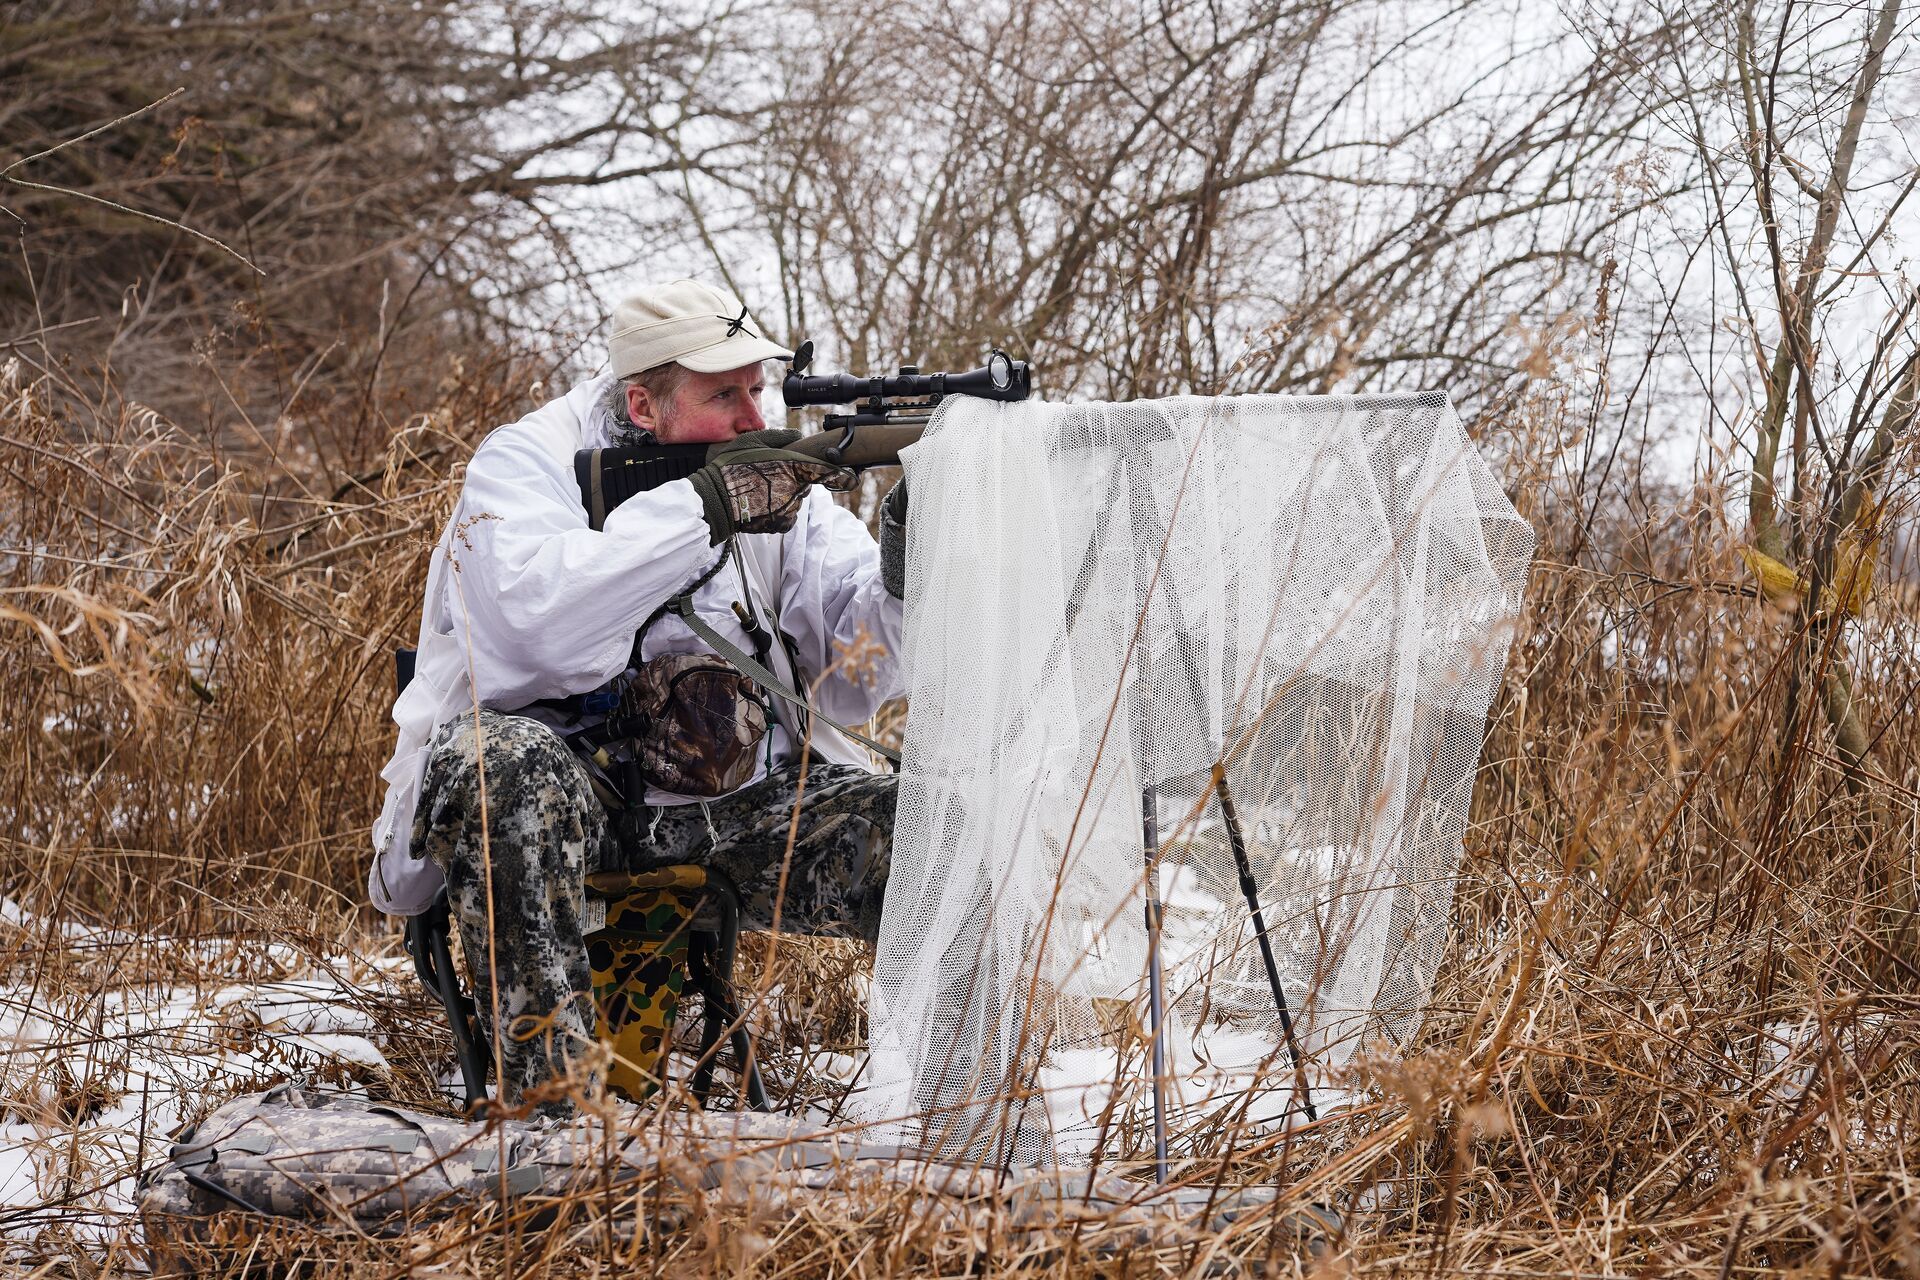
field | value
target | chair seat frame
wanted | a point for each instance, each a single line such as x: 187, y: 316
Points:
x: 711, y: 952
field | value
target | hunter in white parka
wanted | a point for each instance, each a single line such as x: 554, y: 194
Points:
x: 524, y: 601
x: 561, y: 722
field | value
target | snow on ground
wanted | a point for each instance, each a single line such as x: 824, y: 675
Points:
x: 99, y: 1075
x: 106, y: 1065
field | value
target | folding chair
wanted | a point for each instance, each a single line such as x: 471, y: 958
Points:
x: 665, y: 927
x: 642, y: 933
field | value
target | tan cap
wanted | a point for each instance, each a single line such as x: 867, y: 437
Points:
x: 688, y: 323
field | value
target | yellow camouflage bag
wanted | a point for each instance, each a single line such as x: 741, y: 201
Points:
x: 639, y: 963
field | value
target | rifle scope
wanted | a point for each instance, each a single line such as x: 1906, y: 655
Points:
x: 1000, y: 378
x: 889, y: 413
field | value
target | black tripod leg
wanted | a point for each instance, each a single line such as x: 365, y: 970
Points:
x: 1247, y: 888
x: 1156, y: 994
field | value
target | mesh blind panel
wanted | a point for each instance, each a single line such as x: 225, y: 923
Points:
x: 1104, y: 600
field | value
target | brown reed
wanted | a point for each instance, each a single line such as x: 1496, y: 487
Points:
x: 1674, y: 1035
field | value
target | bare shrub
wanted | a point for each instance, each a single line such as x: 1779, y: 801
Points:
x: 1676, y: 1032
x: 1235, y: 197
x: 201, y: 696
x: 283, y: 208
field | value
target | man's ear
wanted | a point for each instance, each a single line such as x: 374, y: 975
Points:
x: 640, y: 407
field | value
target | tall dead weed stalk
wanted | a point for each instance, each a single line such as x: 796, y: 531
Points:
x: 1675, y: 1033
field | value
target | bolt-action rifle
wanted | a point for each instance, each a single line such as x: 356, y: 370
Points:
x: 889, y: 413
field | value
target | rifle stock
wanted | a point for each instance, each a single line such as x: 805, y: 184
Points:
x: 870, y: 446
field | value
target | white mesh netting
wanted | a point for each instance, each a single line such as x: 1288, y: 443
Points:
x: 1104, y: 600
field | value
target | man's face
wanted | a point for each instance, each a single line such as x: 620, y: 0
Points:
x: 707, y: 409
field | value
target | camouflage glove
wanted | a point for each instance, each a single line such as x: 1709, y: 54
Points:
x: 755, y: 484
x: 893, y: 541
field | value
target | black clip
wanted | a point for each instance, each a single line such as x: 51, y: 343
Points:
x: 836, y: 451
x: 762, y: 642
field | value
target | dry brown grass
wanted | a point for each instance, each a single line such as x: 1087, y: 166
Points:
x: 199, y: 650
x: 1675, y: 1034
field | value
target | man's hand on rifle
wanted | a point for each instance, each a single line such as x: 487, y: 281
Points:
x: 753, y: 483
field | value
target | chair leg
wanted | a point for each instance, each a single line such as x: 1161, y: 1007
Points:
x: 427, y: 943
x: 465, y: 1020
x: 712, y: 1020
x: 719, y: 997
x: 716, y: 987
x: 716, y: 993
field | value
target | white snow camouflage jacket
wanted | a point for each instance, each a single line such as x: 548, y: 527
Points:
x: 524, y: 601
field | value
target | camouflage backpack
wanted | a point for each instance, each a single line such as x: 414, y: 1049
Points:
x: 295, y: 1161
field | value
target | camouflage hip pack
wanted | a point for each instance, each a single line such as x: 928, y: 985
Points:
x: 696, y: 724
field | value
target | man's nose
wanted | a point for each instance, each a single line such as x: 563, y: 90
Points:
x: 751, y: 419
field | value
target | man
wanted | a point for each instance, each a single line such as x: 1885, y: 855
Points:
x: 528, y: 607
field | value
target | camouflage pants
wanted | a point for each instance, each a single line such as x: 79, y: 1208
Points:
x: 544, y: 832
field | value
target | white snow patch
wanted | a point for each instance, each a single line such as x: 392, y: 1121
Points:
x: 95, y: 1085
